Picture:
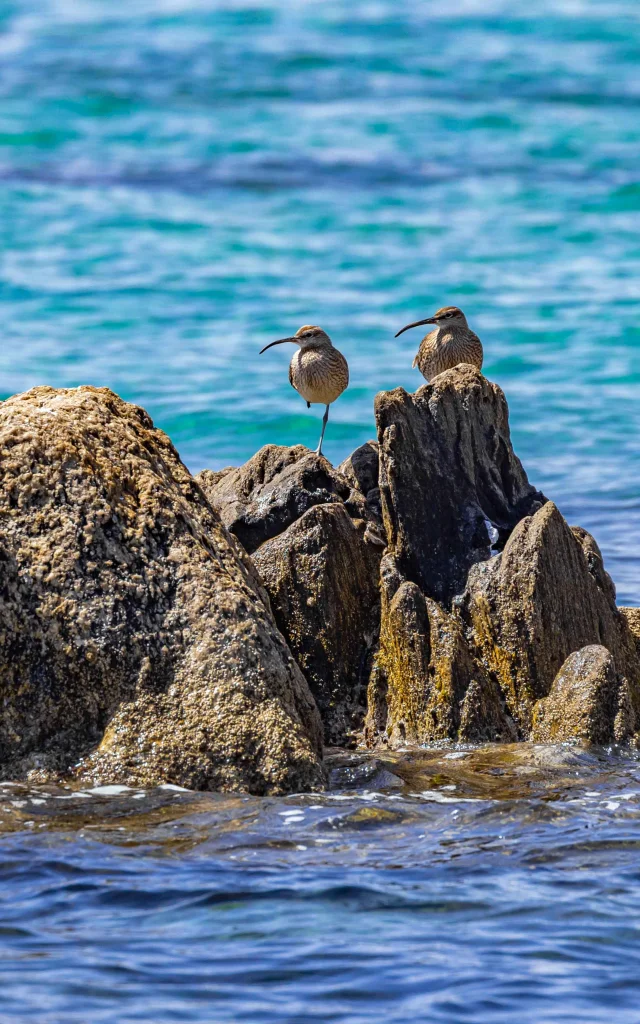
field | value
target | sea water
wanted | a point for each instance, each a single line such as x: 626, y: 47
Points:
x: 183, y: 181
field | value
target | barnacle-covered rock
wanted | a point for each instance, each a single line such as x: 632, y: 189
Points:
x: 136, y: 642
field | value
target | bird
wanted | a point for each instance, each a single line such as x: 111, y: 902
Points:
x: 451, y: 342
x: 318, y: 371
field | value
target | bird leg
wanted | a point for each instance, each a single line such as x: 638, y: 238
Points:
x: 324, y: 427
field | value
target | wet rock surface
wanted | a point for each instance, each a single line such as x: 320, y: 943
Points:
x: 134, y: 636
x: 588, y: 701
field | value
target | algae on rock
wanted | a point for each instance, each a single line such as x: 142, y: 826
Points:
x: 538, y: 602
x: 588, y: 701
x: 485, y: 590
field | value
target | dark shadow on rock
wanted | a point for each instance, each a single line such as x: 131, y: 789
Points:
x: 447, y: 470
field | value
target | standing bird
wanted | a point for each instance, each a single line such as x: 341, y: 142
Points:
x: 317, y: 371
x: 451, y: 343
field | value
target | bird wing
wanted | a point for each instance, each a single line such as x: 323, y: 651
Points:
x: 415, y: 361
x: 291, y: 377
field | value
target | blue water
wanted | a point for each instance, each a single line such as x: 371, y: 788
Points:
x: 182, y: 182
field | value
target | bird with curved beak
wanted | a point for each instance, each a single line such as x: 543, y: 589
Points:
x: 452, y: 342
x: 318, y: 372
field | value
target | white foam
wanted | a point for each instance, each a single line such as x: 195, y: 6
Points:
x: 108, y: 790
x: 433, y: 796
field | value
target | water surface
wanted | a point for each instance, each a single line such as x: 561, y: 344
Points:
x: 467, y: 885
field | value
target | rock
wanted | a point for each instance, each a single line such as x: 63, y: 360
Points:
x: 133, y: 636
x: 361, y: 470
x: 632, y: 618
x: 536, y: 603
x: 595, y: 562
x: 447, y: 469
x: 210, y: 478
x: 587, y: 701
x: 424, y: 673
x: 472, y: 634
x: 322, y: 579
x: 272, y: 490
x: 448, y: 476
x: 316, y: 545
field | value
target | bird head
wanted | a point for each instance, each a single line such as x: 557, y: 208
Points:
x: 448, y: 316
x: 306, y: 337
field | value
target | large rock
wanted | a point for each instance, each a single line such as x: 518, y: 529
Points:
x: 485, y: 590
x: 588, y: 701
x: 315, y: 539
x: 134, y: 633
x: 544, y: 597
x: 449, y: 478
x: 451, y: 487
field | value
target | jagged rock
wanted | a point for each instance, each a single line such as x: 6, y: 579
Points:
x: 446, y: 469
x: 361, y: 467
x: 530, y: 607
x: 210, y: 478
x: 482, y: 715
x: 260, y: 499
x: 315, y: 544
x: 448, y: 476
x: 595, y: 563
x: 133, y: 635
x: 424, y: 671
x: 322, y: 579
x: 587, y: 701
x: 470, y: 639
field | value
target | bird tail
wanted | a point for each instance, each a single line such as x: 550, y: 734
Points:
x: 415, y: 362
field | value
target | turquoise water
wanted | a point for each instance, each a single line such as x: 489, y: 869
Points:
x: 182, y: 182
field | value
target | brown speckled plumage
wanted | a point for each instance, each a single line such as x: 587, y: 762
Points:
x: 318, y: 371
x: 450, y: 343
x: 319, y: 374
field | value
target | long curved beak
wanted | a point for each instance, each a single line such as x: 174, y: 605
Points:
x: 418, y: 323
x: 280, y: 341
